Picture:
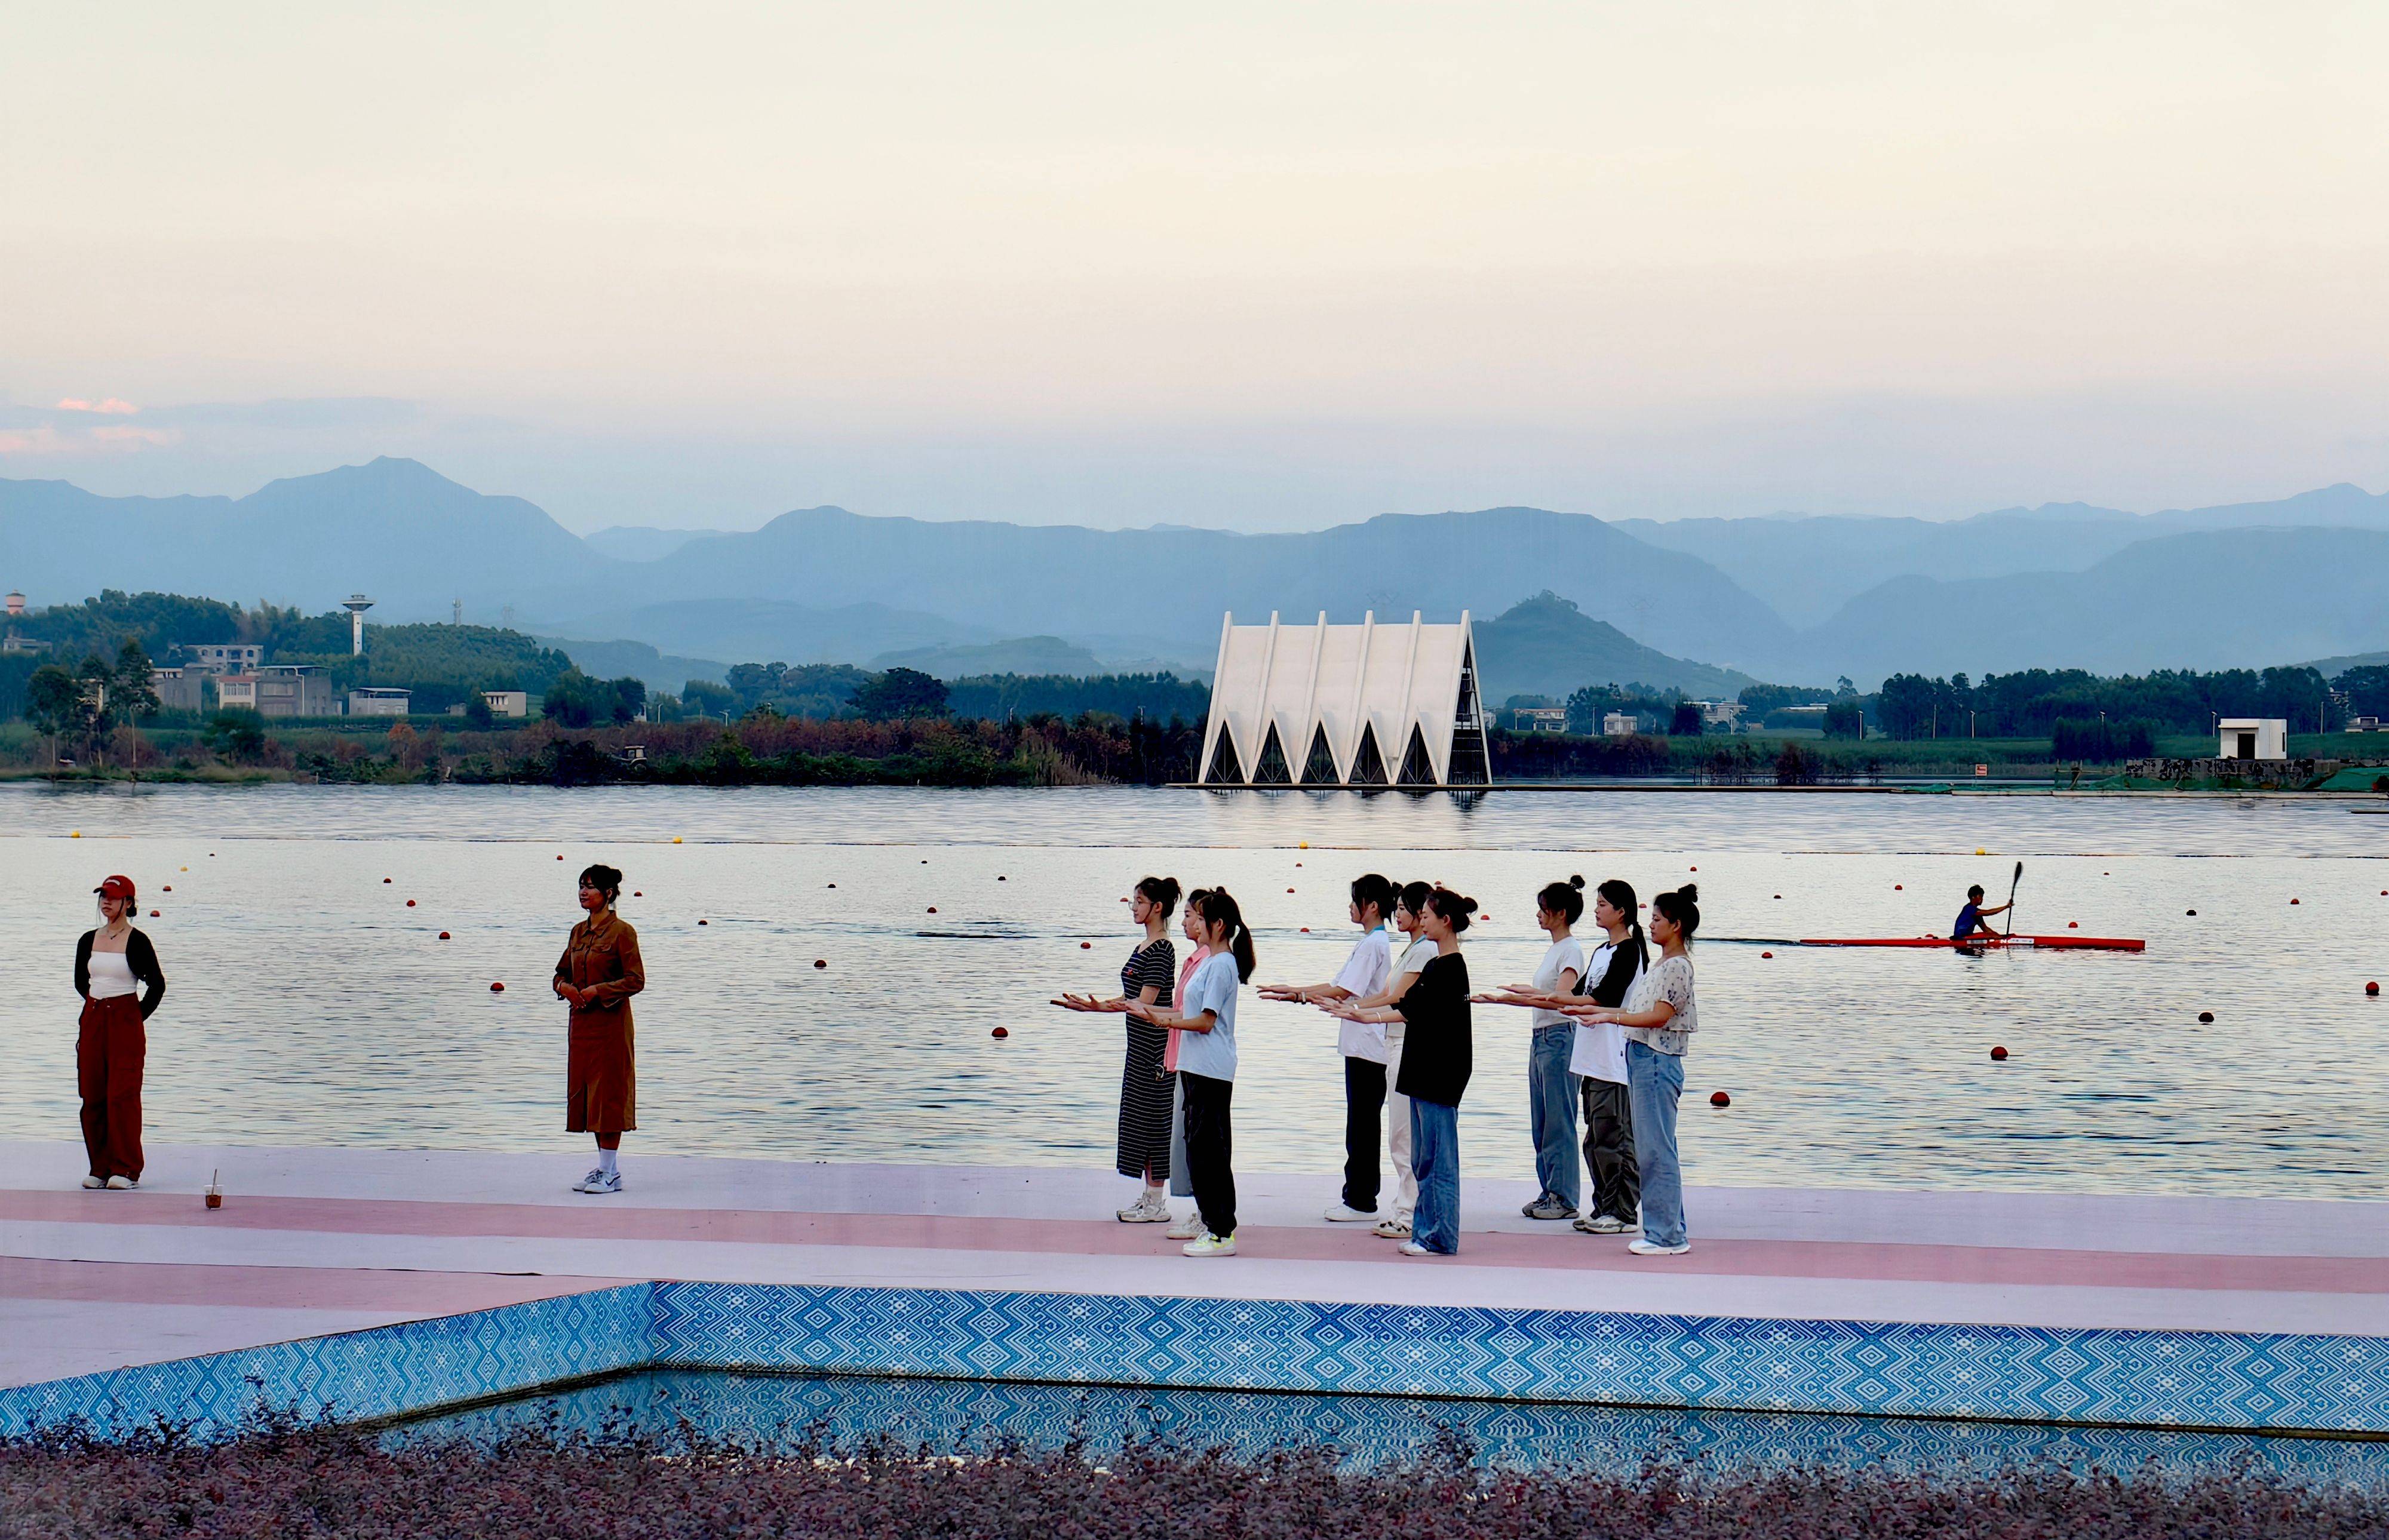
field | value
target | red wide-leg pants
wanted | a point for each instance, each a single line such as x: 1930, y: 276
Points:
x: 108, y: 1055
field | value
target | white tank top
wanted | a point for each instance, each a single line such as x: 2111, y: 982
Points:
x: 111, y: 975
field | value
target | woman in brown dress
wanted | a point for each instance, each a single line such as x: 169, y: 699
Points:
x: 597, y: 976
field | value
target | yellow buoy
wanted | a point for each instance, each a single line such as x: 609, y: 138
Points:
x: 1304, y: 846
x: 675, y: 839
x: 1980, y: 851
x: 74, y: 833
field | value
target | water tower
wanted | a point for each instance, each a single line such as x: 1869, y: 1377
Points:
x: 356, y: 605
x: 16, y: 607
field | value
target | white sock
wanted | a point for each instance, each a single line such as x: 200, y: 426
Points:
x: 605, y: 1161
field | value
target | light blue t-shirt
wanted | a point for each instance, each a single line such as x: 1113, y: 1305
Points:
x: 1213, y: 988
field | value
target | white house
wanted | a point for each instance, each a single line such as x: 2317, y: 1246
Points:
x: 2254, y: 738
x: 1344, y: 706
x: 508, y: 703
x: 379, y: 701
x: 1617, y: 724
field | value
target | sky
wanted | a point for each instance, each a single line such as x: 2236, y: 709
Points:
x: 1258, y: 267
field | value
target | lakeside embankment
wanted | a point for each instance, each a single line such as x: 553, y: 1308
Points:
x: 767, y: 750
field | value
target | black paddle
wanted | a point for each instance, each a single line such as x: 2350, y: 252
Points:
x: 2011, y: 892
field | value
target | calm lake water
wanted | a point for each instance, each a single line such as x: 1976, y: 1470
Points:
x: 309, y: 1005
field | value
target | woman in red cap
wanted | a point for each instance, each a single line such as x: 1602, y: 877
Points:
x: 111, y: 962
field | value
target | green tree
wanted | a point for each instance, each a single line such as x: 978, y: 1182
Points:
x: 130, y: 687
x: 237, y: 735
x: 53, y: 704
x: 1685, y: 721
x: 95, y: 710
x: 901, y: 694
x: 1845, y: 718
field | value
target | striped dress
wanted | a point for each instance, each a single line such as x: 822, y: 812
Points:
x: 1145, y: 1084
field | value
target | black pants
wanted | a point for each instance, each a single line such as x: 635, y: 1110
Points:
x: 1211, y: 1145
x: 1609, y: 1150
x: 1364, y: 1106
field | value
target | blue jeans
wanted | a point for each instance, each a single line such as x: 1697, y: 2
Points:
x: 1434, y: 1155
x: 1653, y: 1082
x: 1551, y: 1112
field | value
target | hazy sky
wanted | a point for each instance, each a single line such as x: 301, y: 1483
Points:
x: 1262, y: 266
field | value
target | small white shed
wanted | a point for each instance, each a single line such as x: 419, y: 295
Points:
x: 2254, y: 738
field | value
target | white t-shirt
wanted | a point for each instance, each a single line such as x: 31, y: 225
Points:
x: 1600, y: 1052
x: 1415, y: 956
x: 1211, y: 987
x: 1564, y: 957
x: 1365, y: 974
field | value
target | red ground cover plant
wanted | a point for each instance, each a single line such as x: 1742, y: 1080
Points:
x: 285, y: 1481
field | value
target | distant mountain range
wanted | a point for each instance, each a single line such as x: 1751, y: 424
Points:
x: 1790, y: 598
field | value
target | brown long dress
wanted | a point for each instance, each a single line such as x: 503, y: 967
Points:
x: 600, y: 1081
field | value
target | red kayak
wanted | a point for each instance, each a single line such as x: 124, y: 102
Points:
x: 1988, y: 943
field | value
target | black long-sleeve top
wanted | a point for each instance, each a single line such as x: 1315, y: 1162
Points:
x: 139, y: 956
x: 1609, y: 990
x: 1439, y: 1043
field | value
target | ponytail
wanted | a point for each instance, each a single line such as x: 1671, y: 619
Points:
x: 1620, y: 894
x: 1219, y: 909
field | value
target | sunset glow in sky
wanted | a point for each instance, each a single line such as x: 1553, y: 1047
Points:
x: 1259, y: 266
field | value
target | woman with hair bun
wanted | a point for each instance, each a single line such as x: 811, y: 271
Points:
x: 1659, y: 1017
x: 1551, y: 1088
x: 1438, y: 1053
x: 1147, y: 1086
x: 1206, y: 1064
x: 597, y: 976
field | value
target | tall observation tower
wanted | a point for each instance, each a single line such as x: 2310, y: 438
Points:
x: 356, y: 605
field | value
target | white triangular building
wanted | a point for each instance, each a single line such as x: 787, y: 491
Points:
x: 1344, y: 706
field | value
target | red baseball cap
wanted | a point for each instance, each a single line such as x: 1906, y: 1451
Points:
x: 115, y: 887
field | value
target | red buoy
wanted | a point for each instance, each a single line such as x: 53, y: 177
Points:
x: 559, y: 857
x: 833, y: 884
x: 933, y: 908
x: 153, y: 915
x: 2190, y: 912
x: 1899, y: 887
x: 998, y: 1031
x: 705, y: 922
x: 497, y: 988
x: 385, y: 882
x: 170, y: 887
x: 1719, y: 1099
x: 820, y: 962
x: 1289, y: 890
x: 2373, y: 988
x: 1086, y: 946
x: 999, y: 877
x: 410, y: 903
x: 1998, y: 1053
x: 2205, y: 1018
x: 1766, y: 954
x: 1779, y: 896
x: 444, y: 935
x: 1306, y: 930
x: 637, y: 894
x: 2074, y: 924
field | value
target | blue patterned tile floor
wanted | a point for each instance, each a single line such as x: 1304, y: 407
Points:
x: 2155, y: 1313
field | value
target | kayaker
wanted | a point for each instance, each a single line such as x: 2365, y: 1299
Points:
x: 1974, y: 920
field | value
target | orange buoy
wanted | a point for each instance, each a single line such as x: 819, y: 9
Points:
x: 2205, y: 1018
x: 1998, y: 1053
x: 998, y: 1031
x: 1719, y: 1099
x: 497, y: 988
x: 820, y: 962
x: 444, y: 935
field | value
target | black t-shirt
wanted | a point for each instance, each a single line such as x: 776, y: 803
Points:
x: 1438, y: 1045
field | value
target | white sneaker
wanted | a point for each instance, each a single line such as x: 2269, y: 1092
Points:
x: 1150, y: 1208
x: 1606, y: 1224
x: 591, y: 1183
x: 1345, y: 1214
x: 122, y: 1184
x: 1411, y: 1248
x: 1653, y: 1248
x: 1396, y: 1229
x: 606, y: 1181
x: 94, y: 1183
x: 1208, y: 1244
x: 1188, y: 1227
